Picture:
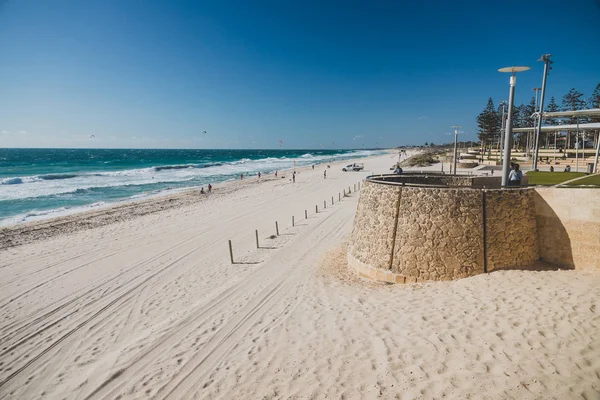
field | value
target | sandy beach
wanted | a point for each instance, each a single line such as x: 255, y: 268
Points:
x: 141, y: 301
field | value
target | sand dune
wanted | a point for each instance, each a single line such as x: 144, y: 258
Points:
x: 151, y: 307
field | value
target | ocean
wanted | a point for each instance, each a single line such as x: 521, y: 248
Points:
x: 42, y: 183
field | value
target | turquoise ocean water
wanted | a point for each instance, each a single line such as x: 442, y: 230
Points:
x: 40, y: 183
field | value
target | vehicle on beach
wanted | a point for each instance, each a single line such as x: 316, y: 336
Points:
x: 353, y: 167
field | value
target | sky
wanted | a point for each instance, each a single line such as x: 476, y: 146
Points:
x: 314, y: 74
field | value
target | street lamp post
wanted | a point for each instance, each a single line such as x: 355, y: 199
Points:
x: 508, y: 138
x: 455, y: 144
x: 530, y: 135
x: 503, y: 104
x: 538, y: 127
x: 597, y: 154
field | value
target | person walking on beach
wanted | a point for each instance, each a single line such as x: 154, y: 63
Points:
x: 241, y: 177
x: 515, y: 176
x: 259, y: 175
x: 325, y: 174
x: 209, y: 188
x: 294, y: 177
x: 275, y: 174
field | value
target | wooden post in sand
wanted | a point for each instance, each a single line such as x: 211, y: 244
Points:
x: 355, y: 187
x: 324, y: 204
x: 349, y: 191
x: 331, y: 200
x: 305, y: 214
x: 339, y: 197
x: 317, y: 209
x: 257, y: 245
x: 231, y: 252
x: 344, y: 192
x: 293, y: 224
x: 277, y: 228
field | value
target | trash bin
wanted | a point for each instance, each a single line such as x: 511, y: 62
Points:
x: 590, y: 168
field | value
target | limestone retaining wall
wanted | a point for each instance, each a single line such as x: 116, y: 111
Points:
x: 568, y: 224
x: 439, y: 234
x: 511, y: 231
x: 374, y: 224
x: 410, y: 234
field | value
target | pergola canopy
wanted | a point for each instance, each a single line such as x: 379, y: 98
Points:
x: 558, y: 128
x: 592, y: 112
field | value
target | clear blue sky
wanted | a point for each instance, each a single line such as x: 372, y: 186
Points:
x: 157, y: 73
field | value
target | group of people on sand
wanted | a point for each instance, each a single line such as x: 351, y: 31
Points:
x: 259, y: 174
x: 209, y: 189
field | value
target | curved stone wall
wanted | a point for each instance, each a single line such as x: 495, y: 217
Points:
x: 409, y: 233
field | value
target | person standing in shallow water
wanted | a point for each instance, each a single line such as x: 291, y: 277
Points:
x: 209, y: 188
x: 515, y: 176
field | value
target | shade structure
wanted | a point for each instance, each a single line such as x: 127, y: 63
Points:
x: 558, y: 128
x: 592, y: 112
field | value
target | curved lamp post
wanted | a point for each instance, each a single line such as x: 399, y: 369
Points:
x: 508, y: 135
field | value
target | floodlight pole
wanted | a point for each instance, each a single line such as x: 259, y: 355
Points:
x: 597, y: 153
x: 503, y: 103
x: 455, y: 144
x: 531, y: 135
x: 508, y: 138
x: 538, y: 127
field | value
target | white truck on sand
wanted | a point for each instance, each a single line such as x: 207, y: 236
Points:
x: 353, y: 167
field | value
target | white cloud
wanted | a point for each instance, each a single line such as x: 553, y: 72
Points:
x: 422, y: 117
x: 4, y: 132
x: 356, y: 137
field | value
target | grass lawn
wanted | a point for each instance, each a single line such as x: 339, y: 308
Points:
x: 551, y: 178
x: 590, y: 180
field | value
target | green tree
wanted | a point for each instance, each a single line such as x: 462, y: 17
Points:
x: 594, y: 102
x: 551, y: 107
x: 572, y: 101
x: 488, y: 123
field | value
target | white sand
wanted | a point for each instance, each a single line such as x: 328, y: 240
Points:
x: 151, y: 307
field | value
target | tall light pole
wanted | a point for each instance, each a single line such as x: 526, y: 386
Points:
x: 503, y: 104
x: 530, y: 135
x: 597, y: 154
x: 508, y: 139
x: 538, y: 127
x: 455, y: 144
